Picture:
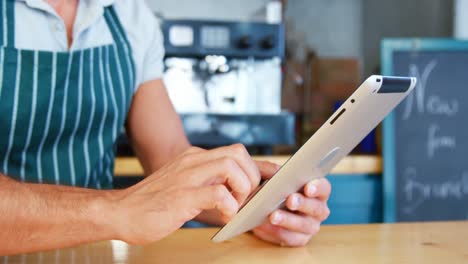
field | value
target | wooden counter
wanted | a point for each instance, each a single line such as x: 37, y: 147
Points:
x: 349, y: 165
x: 427, y: 243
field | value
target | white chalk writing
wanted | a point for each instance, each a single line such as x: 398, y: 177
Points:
x: 420, y: 89
x: 418, y: 192
x: 436, y: 142
x: 438, y: 106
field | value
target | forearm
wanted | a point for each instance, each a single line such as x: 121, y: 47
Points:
x: 154, y: 128
x: 153, y: 158
x: 37, y: 217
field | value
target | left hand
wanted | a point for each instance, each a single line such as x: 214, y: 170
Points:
x: 305, y: 212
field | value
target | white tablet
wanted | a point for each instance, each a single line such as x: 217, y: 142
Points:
x: 361, y: 113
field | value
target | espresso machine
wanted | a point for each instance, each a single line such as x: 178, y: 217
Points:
x: 224, y: 79
x: 223, y: 67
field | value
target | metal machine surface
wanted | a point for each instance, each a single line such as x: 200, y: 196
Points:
x: 224, y: 79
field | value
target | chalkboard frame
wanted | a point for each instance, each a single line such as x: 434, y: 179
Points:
x: 388, y: 48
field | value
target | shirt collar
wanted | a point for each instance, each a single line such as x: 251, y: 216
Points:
x: 94, y: 10
x: 36, y: 3
x: 97, y: 5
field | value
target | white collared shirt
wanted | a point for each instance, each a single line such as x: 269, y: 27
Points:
x: 38, y: 27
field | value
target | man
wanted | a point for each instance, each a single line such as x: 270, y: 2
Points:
x: 72, y: 74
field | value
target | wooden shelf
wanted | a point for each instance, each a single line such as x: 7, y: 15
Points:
x: 354, y: 164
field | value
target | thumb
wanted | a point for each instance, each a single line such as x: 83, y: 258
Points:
x: 267, y: 169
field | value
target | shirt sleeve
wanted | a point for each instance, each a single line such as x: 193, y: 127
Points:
x: 153, y: 65
x: 145, y: 36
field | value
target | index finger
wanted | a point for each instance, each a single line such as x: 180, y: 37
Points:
x: 221, y: 171
x: 267, y: 169
x: 319, y: 189
x: 235, y: 152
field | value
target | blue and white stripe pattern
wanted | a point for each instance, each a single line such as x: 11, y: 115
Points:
x: 32, y: 118
x: 14, y: 113
x: 61, y: 112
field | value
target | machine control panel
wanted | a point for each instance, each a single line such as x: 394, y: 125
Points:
x: 195, y: 38
x: 217, y: 37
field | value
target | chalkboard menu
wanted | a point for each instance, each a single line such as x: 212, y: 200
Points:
x: 426, y: 137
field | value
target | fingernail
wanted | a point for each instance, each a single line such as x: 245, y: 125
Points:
x: 311, y: 189
x: 276, y: 218
x: 294, y: 202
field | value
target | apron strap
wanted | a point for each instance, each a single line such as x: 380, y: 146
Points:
x: 119, y: 36
x: 116, y: 28
x: 7, y: 18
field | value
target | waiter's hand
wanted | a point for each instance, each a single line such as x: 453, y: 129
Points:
x: 305, y: 212
x: 198, y: 180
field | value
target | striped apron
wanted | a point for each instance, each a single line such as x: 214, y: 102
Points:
x: 61, y: 112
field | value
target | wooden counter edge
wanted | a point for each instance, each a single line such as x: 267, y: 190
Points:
x: 354, y: 164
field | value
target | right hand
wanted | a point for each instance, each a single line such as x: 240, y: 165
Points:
x: 197, y: 180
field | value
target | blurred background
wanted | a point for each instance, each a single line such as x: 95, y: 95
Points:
x: 268, y: 74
